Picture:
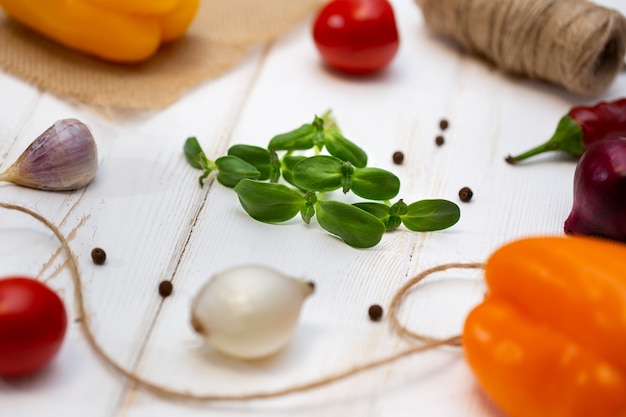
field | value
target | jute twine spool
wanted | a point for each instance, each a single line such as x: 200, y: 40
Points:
x: 571, y: 43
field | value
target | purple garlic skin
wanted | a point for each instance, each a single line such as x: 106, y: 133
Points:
x: 599, y: 207
x: 62, y: 158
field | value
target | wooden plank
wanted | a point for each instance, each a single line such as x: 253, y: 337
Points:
x: 146, y: 210
x: 139, y: 209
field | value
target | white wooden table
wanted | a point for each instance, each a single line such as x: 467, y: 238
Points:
x: 146, y: 210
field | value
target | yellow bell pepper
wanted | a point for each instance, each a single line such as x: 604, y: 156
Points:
x: 550, y: 337
x: 123, y: 31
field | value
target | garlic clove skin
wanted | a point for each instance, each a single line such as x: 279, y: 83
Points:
x: 62, y: 158
x: 249, y: 312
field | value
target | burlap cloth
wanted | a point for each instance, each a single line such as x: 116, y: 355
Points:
x: 218, y: 39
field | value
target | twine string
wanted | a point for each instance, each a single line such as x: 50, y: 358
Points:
x: 401, y: 294
x: 428, y: 343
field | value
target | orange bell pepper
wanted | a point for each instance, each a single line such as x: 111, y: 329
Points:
x: 549, y: 339
x: 124, y: 31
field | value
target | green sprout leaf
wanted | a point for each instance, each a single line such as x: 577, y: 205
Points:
x: 258, y: 157
x: 288, y: 164
x: 431, y: 215
x: 387, y: 214
x: 194, y: 153
x: 231, y: 170
x: 269, y: 202
x: 302, y: 138
x: 375, y: 184
x: 356, y: 227
x: 275, y: 166
x: 396, y: 211
x: 308, y: 210
x: 255, y: 174
x: 318, y: 173
x: 318, y: 137
x: 340, y: 147
x: 347, y: 170
x: 379, y: 210
x: 196, y: 158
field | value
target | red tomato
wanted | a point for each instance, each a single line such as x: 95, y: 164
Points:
x: 356, y: 36
x: 32, y: 325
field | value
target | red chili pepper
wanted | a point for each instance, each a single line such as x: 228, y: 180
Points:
x: 582, y: 127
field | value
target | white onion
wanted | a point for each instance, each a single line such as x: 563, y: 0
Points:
x: 249, y: 312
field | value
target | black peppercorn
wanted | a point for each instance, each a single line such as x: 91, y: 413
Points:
x: 375, y: 312
x: 98, y: 256
x: 165, y: 288
x: 466, y: 194
x: 398, y: 157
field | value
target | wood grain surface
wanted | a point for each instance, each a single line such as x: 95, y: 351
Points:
x: 146, y: 210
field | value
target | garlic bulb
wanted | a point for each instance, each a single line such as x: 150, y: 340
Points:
x: 249, y: 312
x: 64, y: 157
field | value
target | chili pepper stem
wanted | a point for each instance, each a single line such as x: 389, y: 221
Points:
x: 550, y: 145
x: 568, y: 137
